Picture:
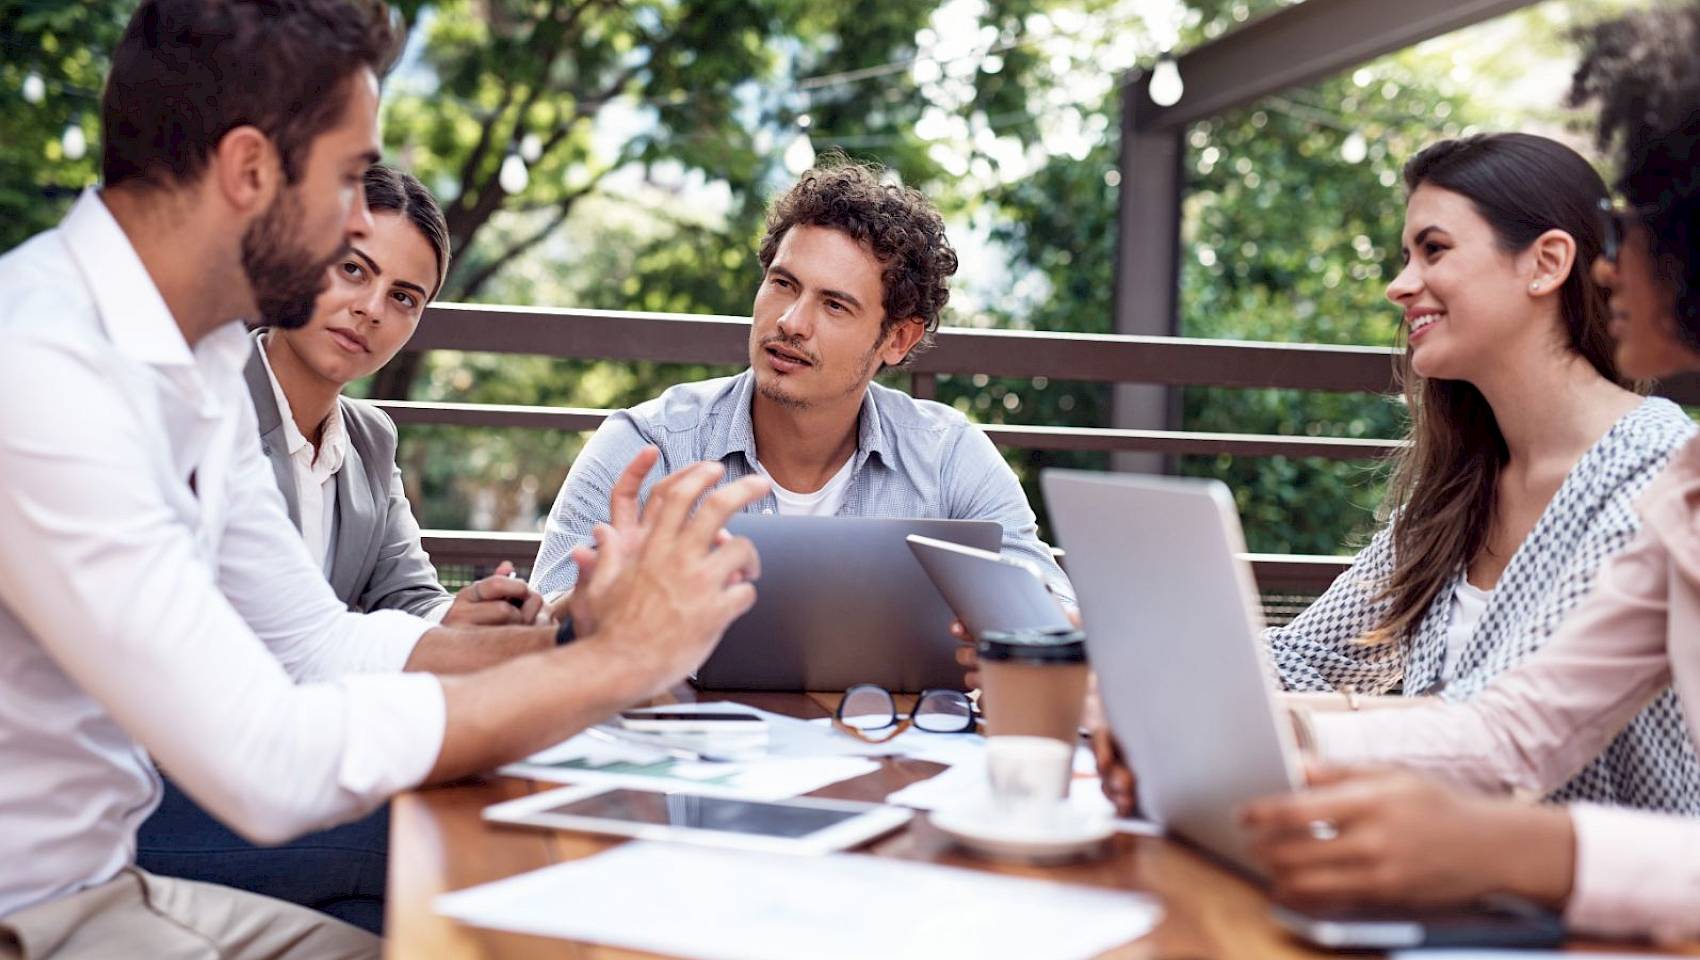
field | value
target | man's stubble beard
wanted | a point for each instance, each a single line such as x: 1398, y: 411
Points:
x: 285, y: 279
x: 869, y: 364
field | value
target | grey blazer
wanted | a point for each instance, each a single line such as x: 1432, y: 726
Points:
x: 377, y: 562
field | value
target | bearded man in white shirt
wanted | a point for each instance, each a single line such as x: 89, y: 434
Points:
x: 156, y: 602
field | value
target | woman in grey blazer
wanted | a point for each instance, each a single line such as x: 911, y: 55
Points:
x: 334, y: 458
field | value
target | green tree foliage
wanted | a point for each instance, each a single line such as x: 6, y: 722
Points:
x: 651, y: 134
x: 712, y: 92
x: 1290, y: 233
x: 52, y: 62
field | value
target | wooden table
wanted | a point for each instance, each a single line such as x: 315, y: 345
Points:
x: 438, y: 843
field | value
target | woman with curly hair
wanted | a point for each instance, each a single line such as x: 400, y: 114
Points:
x: 1400, y: 837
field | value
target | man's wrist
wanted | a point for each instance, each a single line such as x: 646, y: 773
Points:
x: 630, y: 672
x: 1539, y: 851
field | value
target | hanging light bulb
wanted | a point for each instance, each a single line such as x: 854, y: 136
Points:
x: 74, y: 142
x: 1166, y: 86
x: 800, y: 155
x: 531, y: 147
x: 35, y: 89
x: 514, y: 177
x: 1355, y: 148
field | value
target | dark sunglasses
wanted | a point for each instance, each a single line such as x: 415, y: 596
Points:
x: 1615, y: 224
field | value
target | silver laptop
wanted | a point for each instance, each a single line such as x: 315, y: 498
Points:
x: 1172, y: 629
x: 842, y: 601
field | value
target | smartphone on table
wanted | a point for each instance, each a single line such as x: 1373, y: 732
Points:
x: 695, y: 723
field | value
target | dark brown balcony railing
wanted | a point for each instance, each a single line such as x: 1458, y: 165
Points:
x: 1167, y: 361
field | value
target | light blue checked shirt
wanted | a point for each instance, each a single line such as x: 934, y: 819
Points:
x: 914, y: 458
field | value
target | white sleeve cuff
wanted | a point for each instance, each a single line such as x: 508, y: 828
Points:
x: 1636, y: 874
x: 380, y: 642
x: 394, y: 733
x: 436, y: 614
x: 1339, y: 737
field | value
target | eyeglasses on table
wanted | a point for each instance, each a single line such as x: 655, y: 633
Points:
x: 869, y: 713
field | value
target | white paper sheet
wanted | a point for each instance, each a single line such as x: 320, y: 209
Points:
x: 722, y: 905
x: 589, y: 760
x: 946, y: 748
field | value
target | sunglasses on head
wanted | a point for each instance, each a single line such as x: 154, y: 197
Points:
x: 1615, y: 224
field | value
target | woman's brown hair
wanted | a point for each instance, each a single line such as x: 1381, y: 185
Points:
x: 1445, y: 484
x: 391, y: 190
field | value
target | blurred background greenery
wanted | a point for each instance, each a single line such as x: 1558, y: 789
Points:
x: 619, y: 153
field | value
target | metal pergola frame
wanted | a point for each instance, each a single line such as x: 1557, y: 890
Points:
x: 1285, y: 48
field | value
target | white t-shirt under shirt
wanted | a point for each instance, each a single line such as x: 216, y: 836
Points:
x: 822, y: 503
x: 1468, y: 602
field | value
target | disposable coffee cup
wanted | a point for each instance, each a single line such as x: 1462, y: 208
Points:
x: 1033, y: 683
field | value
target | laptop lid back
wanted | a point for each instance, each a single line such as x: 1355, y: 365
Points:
x: 841, y: 601
x: 1173, y: 628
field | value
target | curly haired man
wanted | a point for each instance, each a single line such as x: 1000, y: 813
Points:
x: 855, y: 275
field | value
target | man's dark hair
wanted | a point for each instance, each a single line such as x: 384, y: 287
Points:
x: 1644, y: 72
x: 186, y: 72
x: 899, y: 225
x: 389, y: 189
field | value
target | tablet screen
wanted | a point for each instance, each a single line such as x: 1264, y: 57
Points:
x: 705, y: 813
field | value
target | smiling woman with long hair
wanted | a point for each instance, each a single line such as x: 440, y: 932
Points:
x: 1527, y: 451
x: 1401, y: 838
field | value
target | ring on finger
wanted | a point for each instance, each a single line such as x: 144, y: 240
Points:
x: 1323, y: 830
x: 477, y: 593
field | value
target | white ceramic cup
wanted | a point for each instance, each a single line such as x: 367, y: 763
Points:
x: 1028, y: 774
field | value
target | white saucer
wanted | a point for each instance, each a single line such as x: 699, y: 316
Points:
x: 986, y: 830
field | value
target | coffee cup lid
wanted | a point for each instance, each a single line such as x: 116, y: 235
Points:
x: 1034, y: 646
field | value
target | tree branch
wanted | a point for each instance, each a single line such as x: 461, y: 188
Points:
x: 564, y: 209
x: 481, y: 149
x: 467, y: 219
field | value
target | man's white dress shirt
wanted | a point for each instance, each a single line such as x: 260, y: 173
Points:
x: 315, y: 469
x: 155, y: 600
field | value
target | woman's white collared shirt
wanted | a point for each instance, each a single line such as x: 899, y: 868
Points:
x: 315, y: 469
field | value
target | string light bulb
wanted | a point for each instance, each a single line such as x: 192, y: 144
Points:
x: 514, y: 177
x: 531, y: 147
x: 74, y: 142
x: 800, y: 155
x: 1166, y: 85
x: 1355, y: 148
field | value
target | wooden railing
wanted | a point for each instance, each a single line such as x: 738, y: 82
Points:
x: 717, y: 340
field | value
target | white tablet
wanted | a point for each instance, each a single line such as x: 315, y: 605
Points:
x: 988, y: 591
x: 783, y: 826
